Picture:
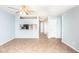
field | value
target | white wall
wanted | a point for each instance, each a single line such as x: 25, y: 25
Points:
x: 51, y: 27
x: 7, y: 22
x: 26, y: 33
x: 54, y: 27
x: 59, y: 27
x: 70, y: 28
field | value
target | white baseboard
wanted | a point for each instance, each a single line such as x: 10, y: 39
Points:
x: 70, y: 46
x: 2, y: 43
x: 54, y: 37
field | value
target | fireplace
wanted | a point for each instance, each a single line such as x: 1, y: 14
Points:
x: 24, y: 26
x: 28, y: 26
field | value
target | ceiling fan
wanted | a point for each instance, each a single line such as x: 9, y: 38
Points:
x: 23, y: 10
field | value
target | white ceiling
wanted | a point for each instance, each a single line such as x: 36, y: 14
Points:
x: 42, y: 10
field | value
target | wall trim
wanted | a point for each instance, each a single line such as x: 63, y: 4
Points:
x: 6, y: 41
x: 54, y: 38
x: 70, y: 46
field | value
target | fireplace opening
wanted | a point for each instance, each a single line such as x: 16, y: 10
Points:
x: 25, y: 26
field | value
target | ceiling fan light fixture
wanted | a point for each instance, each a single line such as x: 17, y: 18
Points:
x: 23, y: 14
x: 24, y: 11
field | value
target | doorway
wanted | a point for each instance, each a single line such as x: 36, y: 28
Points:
x: 43, y: 27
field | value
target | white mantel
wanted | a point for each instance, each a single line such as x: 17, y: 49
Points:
x: 26, y: 33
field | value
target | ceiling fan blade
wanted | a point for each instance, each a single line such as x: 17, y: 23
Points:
x: 22, y: 9
x: 12, y: 8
